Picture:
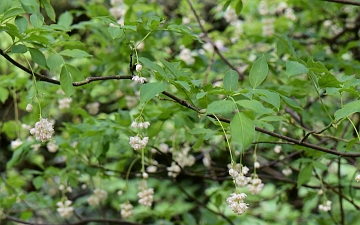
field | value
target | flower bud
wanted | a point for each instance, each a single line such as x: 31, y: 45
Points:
x: 29, y: 107
x: 138, y: 67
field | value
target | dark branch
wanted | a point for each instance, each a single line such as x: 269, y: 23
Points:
x: 347, y: 2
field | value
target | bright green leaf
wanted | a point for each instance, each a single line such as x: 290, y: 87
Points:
x: 75, y: 72
x: 150, y: 90
x: 242, y: 131
x: 221, y: 106
x: 75, y: 53
x: 172, y: 67
x: 239, y: 6
x: 66, y: 82
x: 54, y: 61
x: 295, y: 68
x: 291, y: 102
x: 270, y: 97
x: 258, y: 72
x: 255, y: 106
x: 115, y: 32
x: 49, y: 9
x: 37, y: 20
x: 4, y: 94
x: 65, y: 19
x: 5, y: 5
x: 38, y: 57
x: 231, y: 82
x: 153, y: 66
x: 347, y: 110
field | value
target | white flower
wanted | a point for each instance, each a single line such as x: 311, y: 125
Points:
x: 173, y: 170
x: 139, y: 80
x: 25, y: 126
x: 93, y: 108
x: 134, y: 124
x: 230, y: 15
x: 126, y: 210
x: 93, y: 200
x: 256, y: 164
x: 15, y: 144
x: 325, y: 207
x: 287, y: 171
x: 256, y: 186
x: 151, y: 169
x: 206, y: 159
x: 138, y: 67
x: 64, y: 209
x: 268, y: 26
x: 29, y: 107
x: 43, y: 130
x: 64, y: 103
x: 145, y: 175
x: 52, y: 147
x: 141, y: 125
x: 116, y: 2
x: 236, y: 203
x: 146, y: 197
x: 164, y: 148
x: 120, y: 192
x: 357, y: 178
x: 137, y: 143
x: 186, y: 56
x: 100, y: 194
x: 277, y: 149
x: 263, y: 8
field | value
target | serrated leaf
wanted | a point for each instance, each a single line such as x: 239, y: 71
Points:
x: 38, y: 57
x: 115, y: 32
x: 258, y: 72
x: 304, y: 175
x: 347, y: 110
x: 150, y: 90
x: 21, y: 23
x: 75, y: 53
x: 66, y: 82
x: 295, y: 68
x: 54, y: 61
x: 242, y: 131
x: 329, y: 80
x: 221, y: 106
x: 231, y: 82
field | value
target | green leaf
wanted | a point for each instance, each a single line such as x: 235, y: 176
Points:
x: 242, y: 131
x: 226, y: 5
x: 115, y: 32
x: 347, y: 110
x: 30, y: 6
x: 258, y: 72
x: 55, y: 61
x: 75, y: 53
x: 37, y: 20
x: 238, y: 7
x: 21, y: 23
x: 150, y: 90
x: 38, y: 181
x: 172, y: 67
x: 304, y: 175
x: 329, y: 80
x: 184, y: 84
x: 255, y: 106
x: 12, y: 13
x: 153, y: 22
x: 4, y: 94
x: 75, y: 72
x: 231, y: 82
x: 49, y: 9
x: 153, y: 66
x: 270, y: 97
x: 15, y: 158
x: 291, y: 102
x: 19, y: 48
x: 295, y: 68
x: 65, y: 19
x: 66, y: 81
x: 221, y: 106
x: 38, y: 57
x: 5, y: 5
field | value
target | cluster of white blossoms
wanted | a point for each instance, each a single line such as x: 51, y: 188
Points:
x: 43, y: 130
x: 65, y: 209
x: 118, y: 10
x: 146, y: 197
x: 253, y: 183
x: 277, y: 149
x: 127, y: 210
x: 138, y: 79
x: 137, y: 143
x: 97, y: 197
x: 64, y: 103
x: 325, y: 207
x: 187, y: 56
x: 173, y: 170
x: 357, y: 178
x: 236, y: 203
x: 52, y: 146
x: 183, y: 158
x: 93, y: 108
x: 287, y: 171
x: 140, y: 125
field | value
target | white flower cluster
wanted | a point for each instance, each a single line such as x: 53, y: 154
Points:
x: 187, y: 56
x: 97, y: 197
x: 137, y: 143
x: 93, y: 108
x: 118, y: 10
x: 138, y: 79
x: 141, y: 125
x: 268, y: 28
x: 236, y: 203
x: 127, y: 210
x: 357, y: 178
x: 173, y: 170
x: 325, y: 207
x: 65, y: 209
x: 43, y: 130
x: 183, y: 158
x: 277, y: 149
x: 52, y: 147
x: 64, y: 103
x: 146, y: 197
x: 254, y: 184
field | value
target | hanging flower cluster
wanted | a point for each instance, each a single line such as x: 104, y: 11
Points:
x: 236, y: 203
x: 326, y: 206
x: 65, y: 209
x: 146, y: 197
x: 97, y: 197
x: 127, y: 210
x: 43, y: 130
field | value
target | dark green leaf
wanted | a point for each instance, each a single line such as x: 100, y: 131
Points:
x: 295, y: 68
x: 242, y: 131
x: 239, y: 6
x: 291, y: 102
x: 21, y: 23
x: 172, y: 67
x: 38, y: 57
x: 150, y: 90
x: 19, y: 48
x: 304, y: 175
x: 153, y: 66
x: 231, y: 82
x: 255, y: 106
x: 4, y: 94
x: 221, y: 106
x: 75, y: 72
x: 66, y: 81
x: 75, y: 53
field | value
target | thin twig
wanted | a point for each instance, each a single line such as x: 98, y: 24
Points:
x: 347, y: 2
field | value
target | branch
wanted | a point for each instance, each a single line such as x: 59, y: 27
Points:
x: 52, y: 81
x: 84, y: 221
x: 347, y: 2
